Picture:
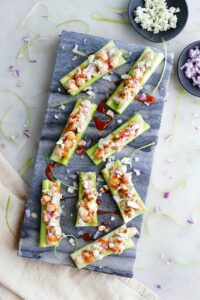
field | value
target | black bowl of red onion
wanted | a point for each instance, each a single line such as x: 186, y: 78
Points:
x: 188, y: 68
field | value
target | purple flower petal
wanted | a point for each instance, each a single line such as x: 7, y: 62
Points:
x: 166, y: 195
x: 190, y: 221
x: 158, y: 286
x: 25, y: 39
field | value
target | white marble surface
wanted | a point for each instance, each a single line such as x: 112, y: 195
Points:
x: 170, y: 255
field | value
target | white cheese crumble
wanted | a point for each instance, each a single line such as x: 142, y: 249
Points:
x: 110, y: 113
x: 119, y: 121
x: 126, y: 160
x: 75, y: 57
x: 72, y: 241
x: 155, y: 16
x: 91, y: 93
x: 112, y: 218
x: 56, y: 116
x: 137, y: 172
x: 34, y: 215
x: 107, y: 77
x: 62, y: 107
x: 70, y: 189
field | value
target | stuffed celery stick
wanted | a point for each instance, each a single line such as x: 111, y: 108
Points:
x: 95, y: 67
x: 87, y: 201
x: 118, y: 139
x: 120, y: 184
x: 73, y: 132
x: 114, y: 242
x: 134, y: 81
x: 50, y: 230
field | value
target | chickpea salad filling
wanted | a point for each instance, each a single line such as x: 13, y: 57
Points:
x: 123, y: 190
x: 96, y: 66
x: 87, y: 204
x: 51, y: 232
x: 118, y: 139
x: 73, y: 132
x: 136, y: 78
x: 114, y: 242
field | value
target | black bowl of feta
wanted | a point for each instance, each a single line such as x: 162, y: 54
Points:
x: 188, y: 68
x: 158, y: 20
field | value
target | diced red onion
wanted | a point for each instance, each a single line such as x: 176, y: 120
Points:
x: 192, y: 66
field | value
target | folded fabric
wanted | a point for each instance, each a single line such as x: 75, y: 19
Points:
x: 32, y: 280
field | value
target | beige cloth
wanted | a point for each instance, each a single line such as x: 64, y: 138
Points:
x: 32, y: 280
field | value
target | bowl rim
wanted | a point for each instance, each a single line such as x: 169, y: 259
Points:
x: 142, y: 31
x: 189, y: 46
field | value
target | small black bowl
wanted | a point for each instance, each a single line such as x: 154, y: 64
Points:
x: 186, y: 82
x: 166, y: 35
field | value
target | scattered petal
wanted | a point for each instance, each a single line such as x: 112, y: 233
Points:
x: 166, y: 195
x: 190, y: 221
x: 158, y: 286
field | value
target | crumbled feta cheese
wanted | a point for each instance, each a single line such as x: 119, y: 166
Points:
x: 62, y: 107
x: 70, y: 189
x: 59, y: 89
x: 95, y: 236
x: 119, y: 121
x: 75, y: 48
x: 136, y: 158
x: 91, y: 93
x: 155, y: 16
x: 112, y: 218
x: 75, y: 57
x: 126, y: 160
x: 72, y: 241
x: 56, y: 116
x: 34, y: 215
x: 125, y: 76
x: 110, y: 113
x: 137, y: 172
x: 100, y: 179
x: 96, y: 253
x: 107, y: 77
